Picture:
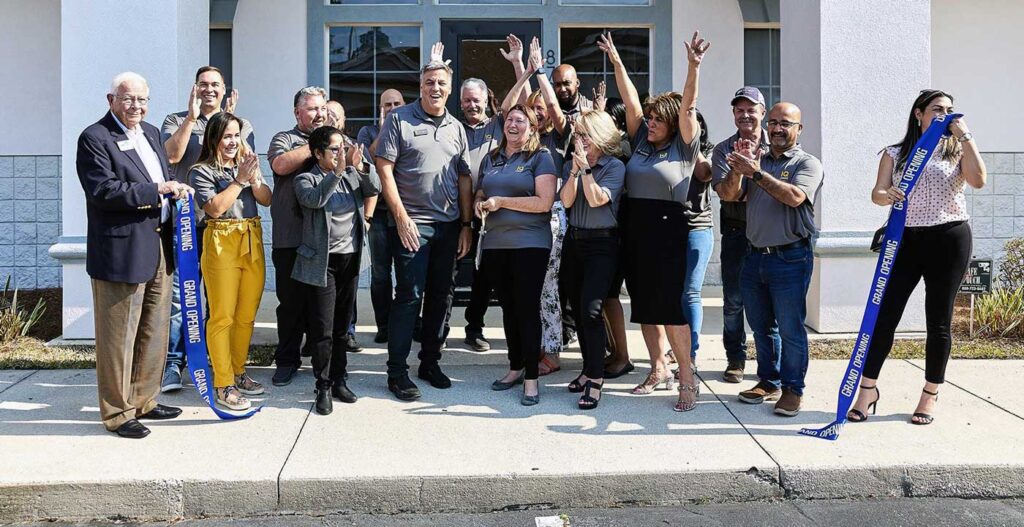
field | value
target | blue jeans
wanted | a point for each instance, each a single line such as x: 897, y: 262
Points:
x: 175, y: 342
x: 775, y: 290
x: 424, y: 278
x: 381, y: 288
x: 699, y: 244
x: 734, y: 335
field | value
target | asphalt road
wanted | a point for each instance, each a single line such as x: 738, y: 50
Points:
x: 833, y: 513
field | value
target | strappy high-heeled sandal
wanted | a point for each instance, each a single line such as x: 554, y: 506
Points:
x: 856, y: 416
x: 652, y: 381
x: 575, y: 386
x: 682, y: 406
x: 925, y: 419
x: 587, y: 402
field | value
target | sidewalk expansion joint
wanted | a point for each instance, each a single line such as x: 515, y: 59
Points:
x: 989, y: 401
x: 290, y: 450
x: 15, y: 383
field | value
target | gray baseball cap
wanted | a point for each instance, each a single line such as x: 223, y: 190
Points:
x: 749, y: 93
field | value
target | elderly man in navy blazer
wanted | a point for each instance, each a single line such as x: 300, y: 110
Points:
x: 123, y: 169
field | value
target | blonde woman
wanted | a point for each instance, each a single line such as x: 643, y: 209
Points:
x: 228, y: 187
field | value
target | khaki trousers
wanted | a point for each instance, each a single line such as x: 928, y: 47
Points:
x: 131, y: 344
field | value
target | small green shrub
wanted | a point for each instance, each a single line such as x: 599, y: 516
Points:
x: 1001, y: 313
x: 1011, y: 268
x: 16, y: 322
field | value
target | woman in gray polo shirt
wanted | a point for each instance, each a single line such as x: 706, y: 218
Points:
x: 591, y: 192
x: 517, y: 189
x: 228, y: 186
x: 331, y: 197
x: 665, y: 135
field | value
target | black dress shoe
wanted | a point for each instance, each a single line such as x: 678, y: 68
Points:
x: 403, y: 388
x: 161, y: 412
x: 432, y: 373
x: 324, y: 405
x: 283, y: 375
x: 381, y: 336
x: 343, y: 394
x: 132, y: 429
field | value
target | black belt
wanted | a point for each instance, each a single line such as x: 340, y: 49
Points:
x: 776, y: 248
x: 586, y: 234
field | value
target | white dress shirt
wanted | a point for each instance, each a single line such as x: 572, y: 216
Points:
x: 149, y: 160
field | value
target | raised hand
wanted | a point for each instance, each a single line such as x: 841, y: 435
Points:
x: 437, y: 52
x: 958, y: 127
x: 696, y: 48
x: 249, y: 168
x: 515, y: 49
x: 743, y: 164
x: 354, y: 154
x: 604, y: 42
x: 600, y: 101
x: 536, y: 56
x: 195, y: 104
x: 232, y: 102
x: 746, y: 148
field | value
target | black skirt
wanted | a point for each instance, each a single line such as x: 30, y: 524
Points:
x: 655, y: 239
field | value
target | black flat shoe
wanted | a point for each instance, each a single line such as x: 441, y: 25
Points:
x: 856, y: 416
x: 432, y: 373
x: 343, y: 394
x: 403, y: 388
x: 616, y: 374
x: 132, y: 429
x: 283, y: 375
x: 500, y: 385
x: 161, y: 412
x: 324, y: 405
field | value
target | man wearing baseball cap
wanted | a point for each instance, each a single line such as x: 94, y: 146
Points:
x: 748, y: 110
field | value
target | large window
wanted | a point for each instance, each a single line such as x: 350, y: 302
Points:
x: 365, y: 61
x: 579, y: 48
x: 761, y: 58
x: 220, y: 52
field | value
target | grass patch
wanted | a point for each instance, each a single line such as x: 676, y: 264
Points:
x: 914, y: 349
x: 29, y: 353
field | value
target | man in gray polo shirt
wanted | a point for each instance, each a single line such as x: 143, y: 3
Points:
x: 289, y: 156
x: 782, y: 186
x: 423, y: 163
x: 182, y: 134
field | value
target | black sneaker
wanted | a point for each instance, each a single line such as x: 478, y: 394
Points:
x: 283, y: 375
x: 341, y: 392
x: 350, y: 344
x: 381, y: 336
x: 477, y: 342
x: 403, y: 388
x: 432, y: 373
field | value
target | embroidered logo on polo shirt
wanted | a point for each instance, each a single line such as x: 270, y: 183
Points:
x: 785, y: 175
x: 520, y: 168
x: 488, y: 137
x: 663, y: 155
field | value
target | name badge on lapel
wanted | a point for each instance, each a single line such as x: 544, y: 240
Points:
x: 499, y: 163
x: 125, y: 145
x: 417, y: 133
x: 644, y: 152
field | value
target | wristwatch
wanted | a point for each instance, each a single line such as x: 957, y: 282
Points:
x: 966, y: 137
x: 588, y: 171
x: 467, y: 224
x: 758, y: 176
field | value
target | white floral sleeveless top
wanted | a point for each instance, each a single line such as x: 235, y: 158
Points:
x: 938, y: 197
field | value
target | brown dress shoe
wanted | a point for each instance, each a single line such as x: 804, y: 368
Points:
x: 789, y: 403
x: 763, y: 391
x: 733, y: 372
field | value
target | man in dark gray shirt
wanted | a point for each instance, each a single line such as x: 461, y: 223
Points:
x: 423, y: 163
x: 748, y: 110
x: 289, y: 156
x: 182, y: 134
x: 782, y: 187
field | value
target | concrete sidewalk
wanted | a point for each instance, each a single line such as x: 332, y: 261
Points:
x: 471, y: 449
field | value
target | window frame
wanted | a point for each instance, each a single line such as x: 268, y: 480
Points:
x: 776, y: 82
x: 611, y: 73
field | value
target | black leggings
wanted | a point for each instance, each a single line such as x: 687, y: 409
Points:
x: 588, y: 268
x: 940, y: 254
x: 329, y: 314
x: 518, y: 278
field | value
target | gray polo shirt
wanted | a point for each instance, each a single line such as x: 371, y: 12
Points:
x: 428, y: 160
x: 733, y: 213
x: 771, y: 222
x: 209, y: 181
x: 663, y: 173
x: 514, y: 177
x: 284, y: 209
x: 344, y: 221
x: 483, y: 138
x: 367, y: 134
x: 180, y: 170
x: 610, y: 174
x: 552, y: 141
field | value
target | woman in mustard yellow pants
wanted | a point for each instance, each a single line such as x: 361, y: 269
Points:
x: 228, y: 186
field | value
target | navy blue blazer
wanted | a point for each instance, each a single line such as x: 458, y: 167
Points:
x: 122, y: 205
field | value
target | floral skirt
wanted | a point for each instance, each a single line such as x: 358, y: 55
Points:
x: 550, y: 307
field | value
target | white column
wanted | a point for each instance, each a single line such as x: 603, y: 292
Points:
x: 854, y: 67
x: 165, y: 41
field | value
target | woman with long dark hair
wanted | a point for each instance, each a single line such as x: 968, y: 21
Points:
x: 228, y: 186
x: 936, y: 246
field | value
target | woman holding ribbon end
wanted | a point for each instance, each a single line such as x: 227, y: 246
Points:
x: 936, y: 246
x: 228, y: 186
x: 516, y: 192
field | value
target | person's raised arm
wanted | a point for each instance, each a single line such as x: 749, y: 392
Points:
x: 630, y: 97
x: 547, y: 91
x: 249, y: 170
x: 972, y: 167
x: 177, y: 142
x: 515, y: 56
x: 284, y: 161
x: 515, y: 94
x: 689, y: 128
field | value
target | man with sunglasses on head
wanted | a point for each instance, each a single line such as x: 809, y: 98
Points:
x: 780, y: 187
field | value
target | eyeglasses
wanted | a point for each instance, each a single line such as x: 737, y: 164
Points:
x: 129, y: 101
x: 336, y: 149
x: 205, y: 85
x: 785, y: 125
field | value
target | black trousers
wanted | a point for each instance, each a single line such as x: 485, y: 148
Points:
x: 518, y: 277
x: 480, y: 293
x: 291, y: 309
x: 940, y: 255
x: 330, y: 312
x: 588, y: 269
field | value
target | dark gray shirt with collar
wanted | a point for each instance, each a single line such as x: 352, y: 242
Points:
x: 663, y: 173
x: 428, y: 158
x: 367, y: 134
x: 733, y: 213
x: 514, y: 177
x: 771, y: 222
x: 610, y: 174
x: 483, y: 138
x: 284, y: 210
x: 210, y: 181
x: 180, y: 170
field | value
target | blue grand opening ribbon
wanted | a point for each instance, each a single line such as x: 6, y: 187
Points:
x: 916, y: 162
x: 193, y: 325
